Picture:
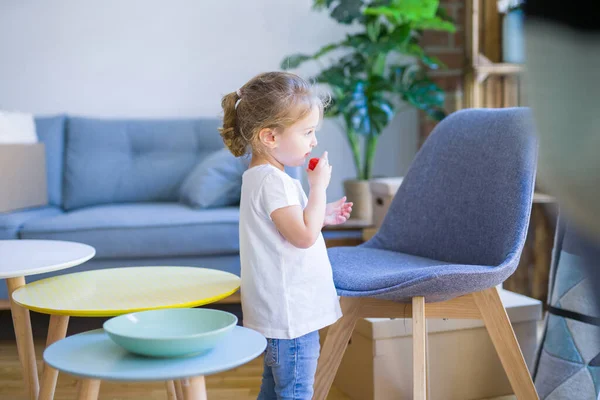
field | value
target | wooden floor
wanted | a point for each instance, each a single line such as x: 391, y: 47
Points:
x: 239, y: 384
x: 242, y: 383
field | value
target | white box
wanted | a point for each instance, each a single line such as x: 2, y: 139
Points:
x: 22, y: 176
x: 383, y: 191
x: 463, y: 364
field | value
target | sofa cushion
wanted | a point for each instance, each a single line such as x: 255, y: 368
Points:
x: 51, y: 132
x: 122, y: 161
x: 215, y: 182
x: 143, y: 230
x: 11, y: 222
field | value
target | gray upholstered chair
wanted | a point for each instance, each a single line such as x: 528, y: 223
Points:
x: 454, y: 231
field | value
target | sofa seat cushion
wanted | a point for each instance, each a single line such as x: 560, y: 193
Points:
x: 11, y: 222
x: 143, y: 230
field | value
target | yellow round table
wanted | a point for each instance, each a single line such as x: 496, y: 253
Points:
x: 116, y: 291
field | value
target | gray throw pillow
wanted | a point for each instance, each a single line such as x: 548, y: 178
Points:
x: 216, y: 181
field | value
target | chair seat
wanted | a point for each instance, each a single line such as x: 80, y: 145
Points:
x: 367, y: 272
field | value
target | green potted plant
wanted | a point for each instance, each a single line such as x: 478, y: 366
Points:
x: 382, y: 68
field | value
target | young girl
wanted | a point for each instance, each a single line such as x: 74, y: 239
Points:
x: 287, y: 284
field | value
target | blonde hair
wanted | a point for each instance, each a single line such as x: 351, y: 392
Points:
x: 272, y: 100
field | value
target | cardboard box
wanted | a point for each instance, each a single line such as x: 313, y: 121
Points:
x: 383, y: 191
x: 22, y: 176
x: 463, y: 363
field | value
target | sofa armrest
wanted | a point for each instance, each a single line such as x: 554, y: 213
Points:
x: 11, y: 222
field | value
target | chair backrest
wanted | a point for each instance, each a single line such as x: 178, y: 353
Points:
x: 467, y: 195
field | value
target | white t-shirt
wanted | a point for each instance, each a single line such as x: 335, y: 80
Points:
x: 287, y: 292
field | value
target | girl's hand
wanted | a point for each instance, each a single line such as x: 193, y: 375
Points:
x: 337, y: 212
x: 321, y: 175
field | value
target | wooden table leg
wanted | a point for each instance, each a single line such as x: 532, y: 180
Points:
x: 89, y: 389
x: 194, y: 388
x: 171, y: 392
x: 179, y: 389
x: 24, y: 336
x: 57, y: 330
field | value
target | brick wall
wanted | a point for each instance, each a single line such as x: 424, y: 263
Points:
x: 450, y: 48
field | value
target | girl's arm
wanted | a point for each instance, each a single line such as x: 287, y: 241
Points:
x: 302, y: 227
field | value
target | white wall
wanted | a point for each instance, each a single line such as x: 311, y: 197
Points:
x: 167, y: 58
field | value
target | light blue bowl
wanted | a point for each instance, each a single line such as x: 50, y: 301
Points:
x: 176, y: 332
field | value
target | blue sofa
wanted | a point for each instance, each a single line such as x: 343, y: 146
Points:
x: 114, y: 184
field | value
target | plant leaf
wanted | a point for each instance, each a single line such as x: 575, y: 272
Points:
x: 430, y: 61
x: 347, y: 11
x: 443, y: 14
x: 386, y: 11
x: 425, y: 95
x: 294, y: 61
x: 436, y: 24
x: 367, y: 109
x: 415, y: 10
x: 400, y: 35
x: 373, y: 30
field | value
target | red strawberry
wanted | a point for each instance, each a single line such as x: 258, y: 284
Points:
x: 313, y: 163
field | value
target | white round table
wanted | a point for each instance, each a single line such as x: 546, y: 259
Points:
x: 21, y: 258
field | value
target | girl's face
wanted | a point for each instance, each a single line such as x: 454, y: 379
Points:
x: 294, y: 144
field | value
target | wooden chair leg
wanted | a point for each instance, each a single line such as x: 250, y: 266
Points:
x: 57, y: 330
x: 503, y: 337
x: 89, y: 389
x: 194, y: 388
x: 428, y: 373
x: 419, y: 348
x: 335, y: 345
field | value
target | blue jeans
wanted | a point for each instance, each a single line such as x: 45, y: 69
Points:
x: 289, y: 368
